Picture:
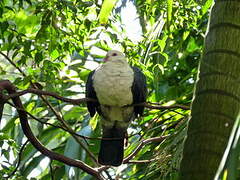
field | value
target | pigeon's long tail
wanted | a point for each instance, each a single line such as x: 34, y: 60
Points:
x: 112, y: 147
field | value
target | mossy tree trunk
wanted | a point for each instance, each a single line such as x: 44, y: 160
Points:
x: 216, y: 102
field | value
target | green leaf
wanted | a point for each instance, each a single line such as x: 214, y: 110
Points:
x: 93, y: 121
x: 160, y: 67
x: 162, y: 43
x: 106, y: 10
x: 185, y: 35
x: 32, y: 165
x: 2, y: 71
x: 3, y: 26
x: 192, y: 45
x: 3, y: 137
x: 27, y: 48
x: 45, y: 137
x: 54, y: 54
x: 1, y: 11
x: 10, y: 37
x: 38, y: 57
x: 206, y: 6
x: 169, y: 11
x: 9, y: 8
x: 29, y: 2
x: 74, y: 113
x: 59, y: 172
x: 73, y: 148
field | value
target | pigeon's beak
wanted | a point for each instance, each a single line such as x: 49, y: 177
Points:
x: 105, y: 59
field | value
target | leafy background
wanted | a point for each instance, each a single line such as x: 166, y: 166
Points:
x: 55, y: 44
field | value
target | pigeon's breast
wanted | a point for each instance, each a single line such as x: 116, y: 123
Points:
x: 112, y: 83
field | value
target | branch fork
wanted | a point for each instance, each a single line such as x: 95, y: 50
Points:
x: 23, y: 115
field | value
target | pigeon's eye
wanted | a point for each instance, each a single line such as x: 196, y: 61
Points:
x: 114, y: 54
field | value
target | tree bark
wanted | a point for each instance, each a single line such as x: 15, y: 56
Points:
x: 216, y: 102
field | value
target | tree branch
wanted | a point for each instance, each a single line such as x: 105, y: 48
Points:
x: 33, y: 117
x: 5, y: 84
x: 128, y: 160
x: 53, y: 110
x: 70, y: 131
x: 60, y: 127
x: 84, y: 100
x: 46, y: 93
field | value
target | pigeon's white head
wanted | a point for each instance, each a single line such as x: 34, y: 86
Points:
x: 113, y: 55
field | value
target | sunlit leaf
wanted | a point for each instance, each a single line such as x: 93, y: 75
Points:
x: 192, y: 45
x: 93, y: 121
x: 206, y: 6
x: 169, y: 11
x: 54, y: 54
x: 106, y: 10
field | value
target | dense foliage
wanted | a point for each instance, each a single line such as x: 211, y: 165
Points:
x: 54, y: 45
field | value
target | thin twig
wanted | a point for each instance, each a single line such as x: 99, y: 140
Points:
x: 54, y: 111
x: 13, y: 64
x: 33, y: 117
x: 134, y: 153
x: 51, y: 169
x: 142, y: 143
x: 146, y: 161
x: 19, y: 160
x: 56, y: 126
x: 141, y: 161
x: 46, y: 93
x: 148, y: 105
x: 5, y: 84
